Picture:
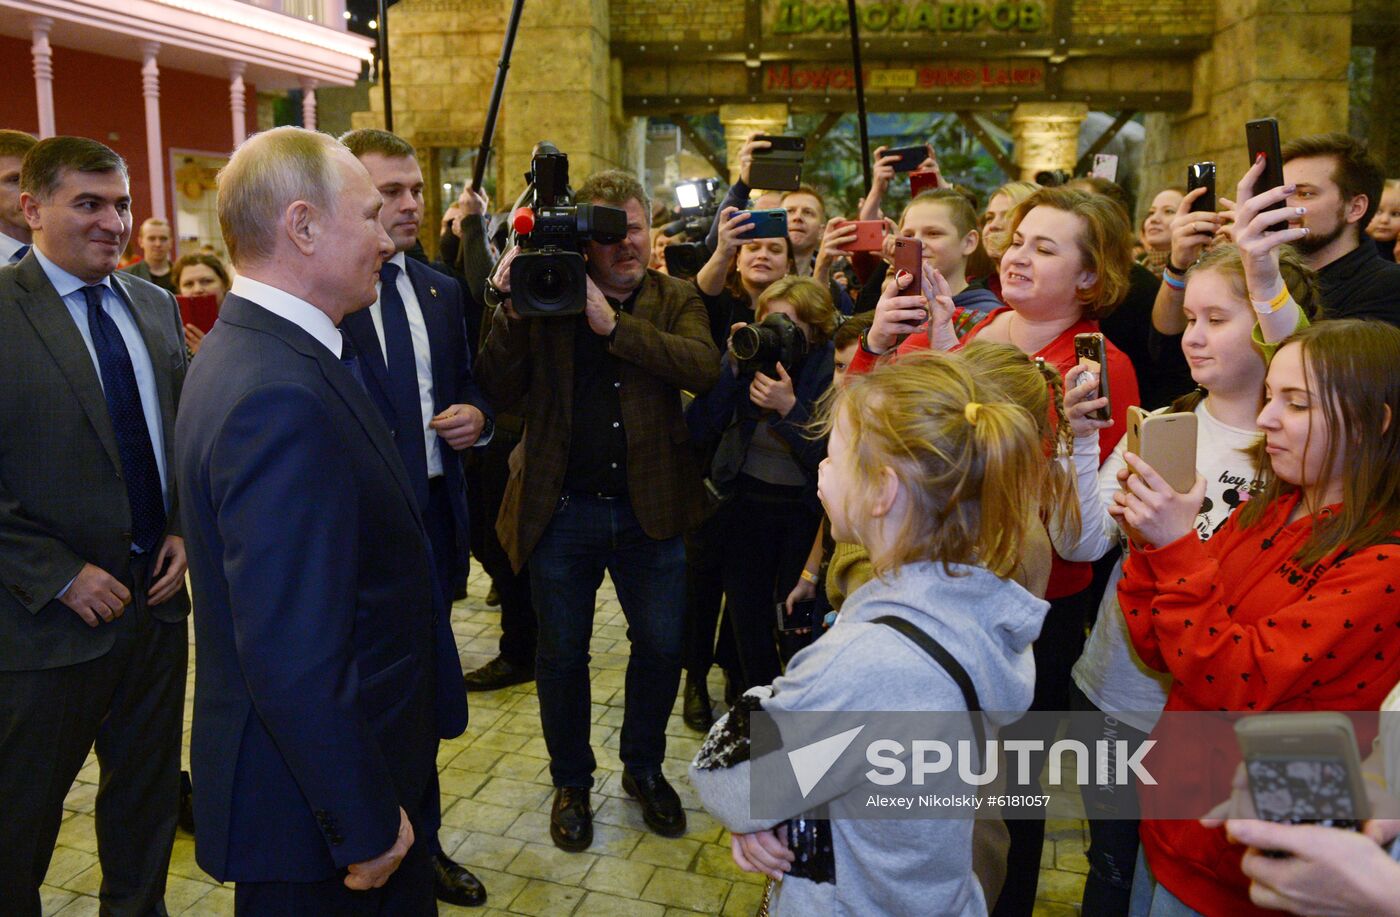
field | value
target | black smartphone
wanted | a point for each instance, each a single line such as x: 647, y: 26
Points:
x: 1202, y: 175
x: 775, y: 175
x: 803, y: 617
x: 1092, y: 351
x: 1262, y: 137
x: 910, y: 157
x: 782, y: 146
x: 767, y: 224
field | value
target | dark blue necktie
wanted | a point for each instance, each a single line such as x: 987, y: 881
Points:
x: 138, y: 457
x: 403, y: 383
x: 19, y: 254
x: 351, y: 360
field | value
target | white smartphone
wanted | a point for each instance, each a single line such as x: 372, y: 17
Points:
x: 1105, y: 166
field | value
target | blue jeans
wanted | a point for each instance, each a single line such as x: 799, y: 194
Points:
x: 588, y: 535
x: 1153, y: 900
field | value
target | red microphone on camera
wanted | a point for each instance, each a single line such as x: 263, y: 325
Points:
x: 523, y: 221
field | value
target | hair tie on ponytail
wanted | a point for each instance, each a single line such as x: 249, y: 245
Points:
x: 971, y: 412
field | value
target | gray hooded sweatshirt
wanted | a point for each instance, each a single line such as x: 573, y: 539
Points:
x: 908, y: 866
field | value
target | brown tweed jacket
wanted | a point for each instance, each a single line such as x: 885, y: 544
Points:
x: 665, y: 347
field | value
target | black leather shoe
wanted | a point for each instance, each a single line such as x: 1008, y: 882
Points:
x: 697, y: 711
x: 453, y: 884
x: 498, y: 674
x: 571, y: 819
x: 493, y: 598
x: 661, y: 807
x: 186, y: 816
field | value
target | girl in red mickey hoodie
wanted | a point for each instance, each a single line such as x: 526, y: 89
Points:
x: 1293, y: 605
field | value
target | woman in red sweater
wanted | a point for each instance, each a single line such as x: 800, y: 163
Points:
x: 1293, y: 604
x: 1066, y: 267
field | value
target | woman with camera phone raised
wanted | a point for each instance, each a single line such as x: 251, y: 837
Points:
x: 739, y: 271
x: 765, y: 466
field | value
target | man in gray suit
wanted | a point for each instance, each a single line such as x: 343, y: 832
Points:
x: 93, y: 642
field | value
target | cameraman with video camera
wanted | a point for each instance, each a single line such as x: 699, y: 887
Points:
x: 604, y: 478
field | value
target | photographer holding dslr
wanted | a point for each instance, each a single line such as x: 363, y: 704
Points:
x: 605, y: 478
x: 764, y: 470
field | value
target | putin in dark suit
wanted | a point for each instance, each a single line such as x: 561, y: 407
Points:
x: 412, y: 344
x: 315, y: 728
x: 93, y: 641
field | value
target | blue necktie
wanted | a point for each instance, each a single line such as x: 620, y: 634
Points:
x: 351, y: 360
x: 403, y: 383
x: 138, y: 457
x: 19, y: 254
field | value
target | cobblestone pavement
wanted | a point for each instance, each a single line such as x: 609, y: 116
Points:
x: 496, y: 795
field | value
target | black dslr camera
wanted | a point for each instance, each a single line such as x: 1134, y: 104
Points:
x: 548, y: 275
x: 761, y: 346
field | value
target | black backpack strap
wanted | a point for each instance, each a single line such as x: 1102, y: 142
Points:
x: 950, y: 664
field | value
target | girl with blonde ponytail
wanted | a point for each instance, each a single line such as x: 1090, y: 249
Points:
x: 929, y: 466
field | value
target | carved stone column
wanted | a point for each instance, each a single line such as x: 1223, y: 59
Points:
x: 742, y: 120
x: 1046, y: 135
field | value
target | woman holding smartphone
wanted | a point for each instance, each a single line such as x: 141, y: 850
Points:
x: 1109, y: 678
x: 1066, y: 268
x: 739, y: 270
x: 199, y: 274
x: 1290, y: 606
x: 765, y: 468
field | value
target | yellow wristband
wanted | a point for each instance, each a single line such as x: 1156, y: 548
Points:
x: 1273, y: 305
x: 809, y: 576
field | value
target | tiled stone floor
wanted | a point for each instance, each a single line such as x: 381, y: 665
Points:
x: 496, y: 796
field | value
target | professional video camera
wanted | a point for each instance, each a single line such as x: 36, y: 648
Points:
x: 549, y: 276
x: 697, y: 203
x: 760, y: 346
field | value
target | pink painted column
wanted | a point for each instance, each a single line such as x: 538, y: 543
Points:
x: 43, y: 73
x: 237, y: 103
x: 308, y: 103
x: 155, y: 149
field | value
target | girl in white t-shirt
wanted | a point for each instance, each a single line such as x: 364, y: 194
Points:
x: 1115, y: 694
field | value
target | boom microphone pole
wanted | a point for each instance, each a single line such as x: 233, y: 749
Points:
x: 497, y: 90
x: 384, y: 65
x: 860, y: 95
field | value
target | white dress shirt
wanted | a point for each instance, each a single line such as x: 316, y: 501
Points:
x: 70, y: 290
x: 297, y: 311
x: 8, y: 248
x: 422, y: 358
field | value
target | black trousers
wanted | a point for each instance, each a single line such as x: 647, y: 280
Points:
x: 768, y: 532
x: 704, y: 599
x: 130, y: 704
x: 408, y: 893
x: 1058, y: 648
x: 487, y: 474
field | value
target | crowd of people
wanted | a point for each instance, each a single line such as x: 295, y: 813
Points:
x: 917, y: 458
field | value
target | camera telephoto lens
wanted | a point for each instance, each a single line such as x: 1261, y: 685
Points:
x: 747, y: 342
x: 547, y: 286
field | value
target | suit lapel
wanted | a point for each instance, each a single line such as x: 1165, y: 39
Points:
x: 147, y: 315
x: 54, y: 325
x: 239, y: 311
